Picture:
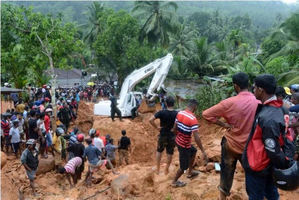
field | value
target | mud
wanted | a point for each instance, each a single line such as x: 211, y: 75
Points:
x: 137, y: 180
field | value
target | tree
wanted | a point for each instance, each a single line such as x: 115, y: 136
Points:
x: 201, y: 20
x: 159, y: 19
x: 96, y: 12
x: 179, y: 69
x: 46, y: 38
x: 201, y: 61
x: 117, y: 47
x: 182, y: 42
x: 289, y: 31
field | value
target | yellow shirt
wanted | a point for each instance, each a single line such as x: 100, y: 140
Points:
x: 57, y: 143
x: 20, y: 108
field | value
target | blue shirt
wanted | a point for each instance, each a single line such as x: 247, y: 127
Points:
x: 92, y: 154
x: 294, y: 108
x: 110, y: 149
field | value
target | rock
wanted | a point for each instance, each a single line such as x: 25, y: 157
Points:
x: 3, y: 159
x: 45, y: 165
x: 214, y: 154
x: 210, y: 167
x: 119, y: 184
x: 22, y: 178
x: 189, y: 195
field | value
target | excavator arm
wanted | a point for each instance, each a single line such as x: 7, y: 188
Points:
x: 160, y: 67
x: 126, y: 99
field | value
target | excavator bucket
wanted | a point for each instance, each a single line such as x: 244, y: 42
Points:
x: 147, y: 107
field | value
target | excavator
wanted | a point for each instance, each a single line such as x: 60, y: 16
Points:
x: 126, y: 101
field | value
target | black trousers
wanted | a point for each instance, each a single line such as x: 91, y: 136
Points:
x: 117, y: 111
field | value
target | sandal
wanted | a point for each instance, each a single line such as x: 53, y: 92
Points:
x: 193, y: 175
x: 178, y: 184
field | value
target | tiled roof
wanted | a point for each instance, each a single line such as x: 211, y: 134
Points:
x: 68, y: 74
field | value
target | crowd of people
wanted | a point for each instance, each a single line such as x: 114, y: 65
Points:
x: 27, y: 131
x: 261, y: 133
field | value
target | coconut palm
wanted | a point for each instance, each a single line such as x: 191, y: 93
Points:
x: 179, y: 69
x: 182, y: 42
x: 159, y: 19
x: 201, y: 61
x: 288, y: 31
x: 94, y: 15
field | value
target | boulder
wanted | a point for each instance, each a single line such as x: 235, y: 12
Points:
x: 214, y: 154
x: 3, y: 159
x: 45, y: 165
x: 119, y: 184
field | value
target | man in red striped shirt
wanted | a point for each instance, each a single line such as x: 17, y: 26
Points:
x: 186, y: 124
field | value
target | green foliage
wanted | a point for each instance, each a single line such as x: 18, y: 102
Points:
x: 182, y: 41
x: 288, y: 31
x: 270, y: 47
x: 179, y: 69
x: 118, y: 49
x: 25, y: 96
x: 168, y: 197
x: 212, y: 93
x: 278, y: 65
x: 251, y: 66
x: 159, y: 20
x: 35, y: 42
x: 201, y: 59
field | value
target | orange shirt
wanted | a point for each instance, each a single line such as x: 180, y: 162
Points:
x: 238, y: 111
x: 104, y: 140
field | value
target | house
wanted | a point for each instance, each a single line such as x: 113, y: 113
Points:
x: 71, y: 78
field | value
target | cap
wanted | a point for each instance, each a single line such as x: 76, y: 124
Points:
x: 97, y: 133
x: 31, y: 141
x: 49, y: 110
x: 47, y: 99
x: 287, y: 90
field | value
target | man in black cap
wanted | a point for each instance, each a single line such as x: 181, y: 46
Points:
x: 263, y: 148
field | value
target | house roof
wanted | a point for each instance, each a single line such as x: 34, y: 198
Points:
x: 6, y: 90
x: 68, y: 74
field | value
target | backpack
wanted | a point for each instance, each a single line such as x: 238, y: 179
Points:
x: 286, y: 139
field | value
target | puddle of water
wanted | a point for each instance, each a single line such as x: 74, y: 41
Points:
x: 183, y: 88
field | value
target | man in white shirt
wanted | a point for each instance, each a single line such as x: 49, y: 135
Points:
x: 14, y: 135
x: 98, y: 142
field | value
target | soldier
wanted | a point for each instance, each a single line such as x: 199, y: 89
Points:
x: 114, y: 108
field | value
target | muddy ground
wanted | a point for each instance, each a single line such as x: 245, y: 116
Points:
x: 137, y: 180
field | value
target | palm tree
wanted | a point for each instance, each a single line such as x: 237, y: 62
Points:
x: 94, y: 15
x: 201, y: 61
x: 288, y: 31
x: 179, y: 69
x: 182, y: 42
x: 159, y: 18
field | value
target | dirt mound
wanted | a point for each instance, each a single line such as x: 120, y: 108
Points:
x: 85, y: 117
x: 137, y: 180
x: 143, y: 136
